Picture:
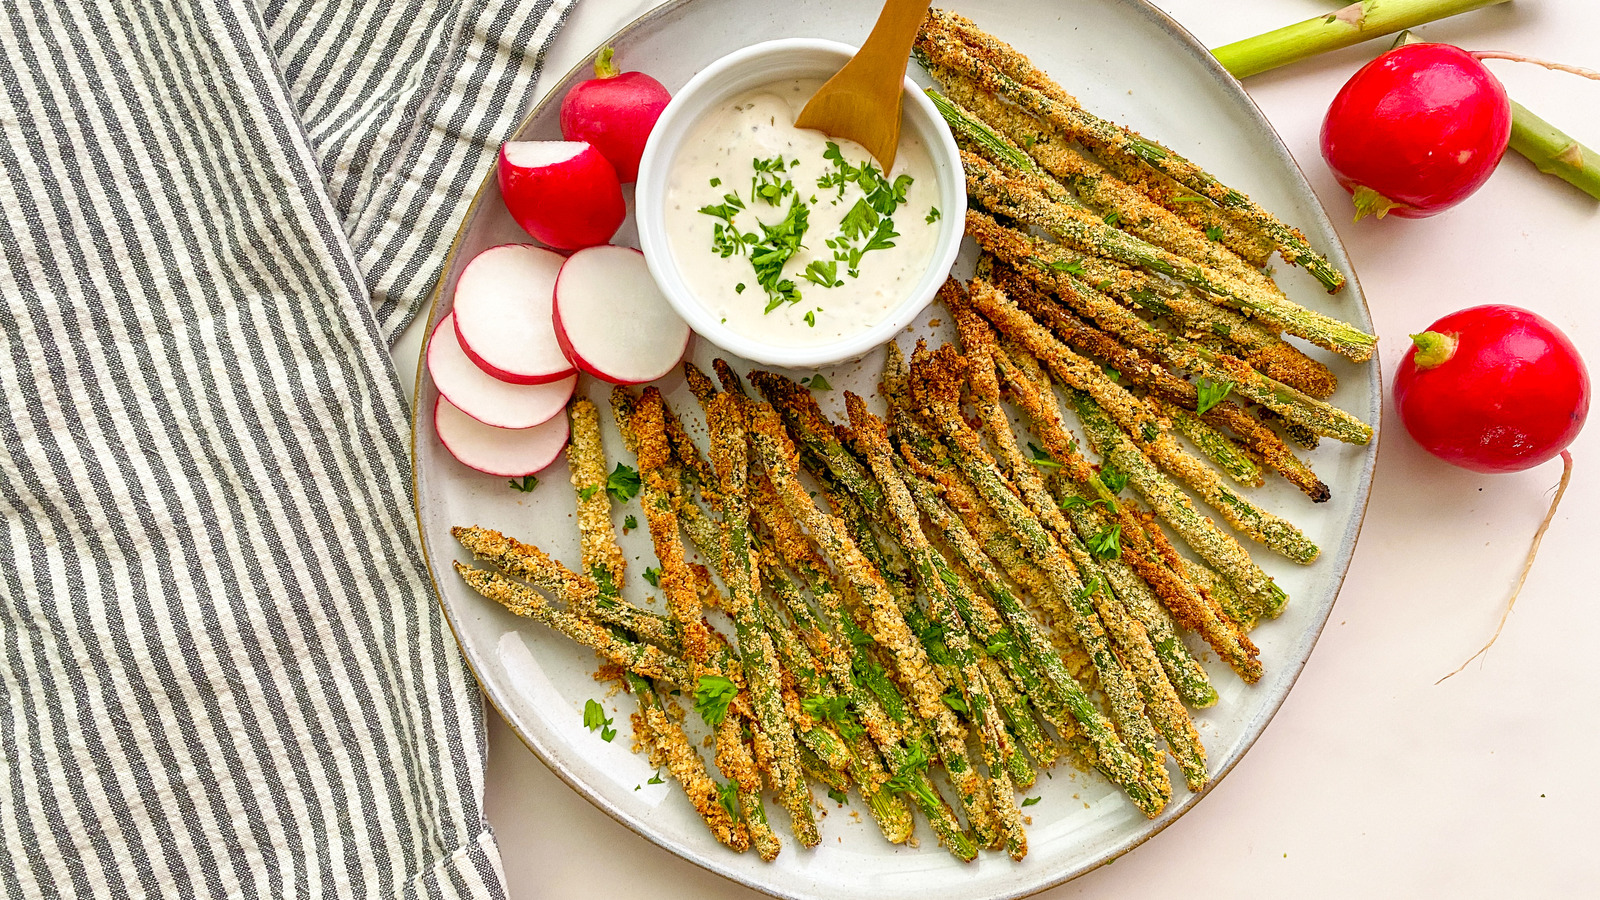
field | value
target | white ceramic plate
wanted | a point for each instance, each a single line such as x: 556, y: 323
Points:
x: 1125, y: 60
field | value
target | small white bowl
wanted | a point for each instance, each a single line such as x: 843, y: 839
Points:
x: 745, y: 70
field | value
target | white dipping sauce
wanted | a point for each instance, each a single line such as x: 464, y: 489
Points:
x: 759, y: 124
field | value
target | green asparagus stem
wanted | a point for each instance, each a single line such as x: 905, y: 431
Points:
x: 1213, y: 545
x: 1137, y: 646
x: 1351, y: 25
x: 729, y: 457
x: 1553, y: 151
x: 940, y: 584
x: 657, y: 477
x: 949, y: 40
x: 780, y: 461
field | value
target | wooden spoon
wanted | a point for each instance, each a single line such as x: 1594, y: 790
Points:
x: 862, y: 102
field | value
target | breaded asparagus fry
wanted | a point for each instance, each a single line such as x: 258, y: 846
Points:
x: 910, y: 661
x: 1190, y: 608
x: 644, y: 659
x: 683, y: 603
x: 948, y: 39
x: 663, y: 738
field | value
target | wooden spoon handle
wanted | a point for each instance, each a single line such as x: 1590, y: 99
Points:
x: 888, y: 47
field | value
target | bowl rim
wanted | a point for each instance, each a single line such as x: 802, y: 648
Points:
x: 655, y: 164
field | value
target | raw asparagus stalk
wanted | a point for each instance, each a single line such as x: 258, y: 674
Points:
x: 947, y: 39
x: 1554, y: 151
x: 1353, y: 24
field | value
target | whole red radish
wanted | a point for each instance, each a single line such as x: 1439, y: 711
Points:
x: 614, y: 111
x: 564, y: 193
x: 1492, y: 389
x: 1416, y: 131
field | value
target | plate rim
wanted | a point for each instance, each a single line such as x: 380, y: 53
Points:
x: 1272, y: 703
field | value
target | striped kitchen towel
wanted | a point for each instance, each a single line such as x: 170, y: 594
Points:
x: 222, y: 671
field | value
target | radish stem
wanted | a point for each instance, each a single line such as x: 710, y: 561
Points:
x: 1351, y: 25
x: 1527, y: 565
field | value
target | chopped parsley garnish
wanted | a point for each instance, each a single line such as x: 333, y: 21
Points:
x: 1042, y: 458
x: 653, y: 575
x: 728, y: 796
x: 953, y: 699
x: 933, y: 215
x: 1112, y: 374
x: 768, y: 184
x: 1210, y: 394
x: 1113, y: 219
x: 816, y: 383
x: 1114, y: 480
x: 594, y: 716
x: 1030, y: 801
x: 656, y: 778
x: 778, y: 243
x: 623, y: 483
x: 838, y: 796
x: 588, y: 492
x: 1214, y: 232
x: 907, y: 780
x: 716, y: 182
x: 1070, y: 267
x: 1107, y: 542
x: 712, y: 694
x: 811, y: 319
x: 527, y: 483
x: 738, y: 288
x: 602, y: 578
x: 824, y: 272
x: 630, y: 523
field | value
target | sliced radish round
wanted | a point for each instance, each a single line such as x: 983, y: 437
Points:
x: 504, y: 316
x: 508, y: 452
x: 564, y: 193
x: 484, y: 397
x: 611, y: 319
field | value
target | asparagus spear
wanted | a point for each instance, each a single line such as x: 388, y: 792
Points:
x: 656, y: 725
x: 1048, y: 532
x: 910, y: 661
x: 1130, y: 363
x: 683, y: 603
x: 1044, y: 262
x: 1224, y: 453
x: 728, y: 456
x: 1116, y: 202
x: 1192, y: 609
x: 645, y: 659
x: 1160, y: 645
x: 1051, y: 270
x: 940, y: 583
x: 1147, y: 432
x: 1017, y: 198
x: 949, y: 40
x: 935, y: 390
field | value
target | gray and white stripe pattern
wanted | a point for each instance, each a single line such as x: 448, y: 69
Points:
x: 405, y: 137
x: 222, y: 672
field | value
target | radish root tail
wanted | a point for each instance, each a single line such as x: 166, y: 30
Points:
x: 1553, y: 66
x: 1527, y: 565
